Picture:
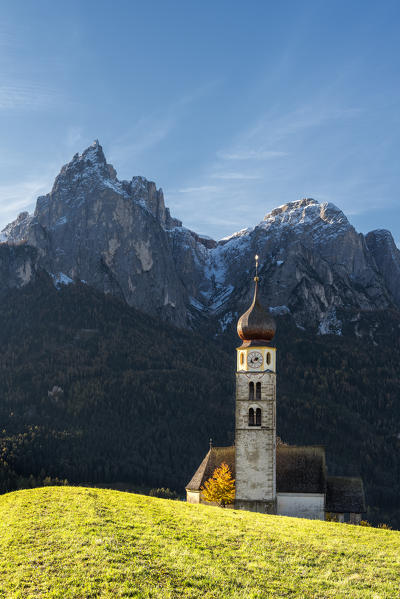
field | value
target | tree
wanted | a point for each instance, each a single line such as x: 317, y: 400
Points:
x: 220, y: 488
x: 163, y: 493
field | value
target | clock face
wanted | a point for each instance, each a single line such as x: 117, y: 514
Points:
x: 254, y: 359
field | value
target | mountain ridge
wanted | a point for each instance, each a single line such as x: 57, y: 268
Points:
x: 120, y: 237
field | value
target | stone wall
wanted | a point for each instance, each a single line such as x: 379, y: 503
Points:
x: 255, y: 445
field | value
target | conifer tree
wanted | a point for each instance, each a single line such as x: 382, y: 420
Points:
x: 220, y: 487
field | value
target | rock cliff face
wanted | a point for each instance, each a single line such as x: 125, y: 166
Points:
x: 119, y: 237
x: 313, y: 262
x: 18, y: 266
x: 387, y: 258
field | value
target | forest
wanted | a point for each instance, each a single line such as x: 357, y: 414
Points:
x: 95, y: 392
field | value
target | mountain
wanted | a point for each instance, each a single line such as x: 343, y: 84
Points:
x: 119, y: 237
x: 108, y: 233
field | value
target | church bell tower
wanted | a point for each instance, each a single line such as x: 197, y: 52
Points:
x: 255, y: 430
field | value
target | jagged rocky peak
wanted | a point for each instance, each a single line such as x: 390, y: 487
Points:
x: 145, y: 192
x: 95, y: 228
x: 87, y: 179
x: 308, y: 213
x: 85, y: 168
x: 382, y: 246
x: 381, y: 237
x: 17, y: 228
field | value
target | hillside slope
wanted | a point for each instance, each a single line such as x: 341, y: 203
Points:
x: 75, y: 542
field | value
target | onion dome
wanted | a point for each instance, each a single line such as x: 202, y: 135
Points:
x: 256, y: 326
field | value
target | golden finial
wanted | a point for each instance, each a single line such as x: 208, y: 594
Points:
x: 256, y: 259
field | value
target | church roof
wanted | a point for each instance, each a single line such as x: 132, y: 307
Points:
x: 344, y: 495
x: 213, y: 460
x: 256, y: 324
x: 298, y: 469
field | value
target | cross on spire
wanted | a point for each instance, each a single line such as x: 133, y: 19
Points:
x: 256, y: 259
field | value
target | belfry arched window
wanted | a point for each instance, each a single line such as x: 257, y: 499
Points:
x: 251, y: 390
x: 258, y: 390
x: 251, y: 417
x: 258, y: 417
x: 268, y: 358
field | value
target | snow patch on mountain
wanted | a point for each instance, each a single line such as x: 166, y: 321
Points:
x: 240, y: 233
x: 196, y: 304
x: 318, y: 219
x: 226, y: 320
x: 220, y: 299
x: 330, y: 324
x: 60, y: 279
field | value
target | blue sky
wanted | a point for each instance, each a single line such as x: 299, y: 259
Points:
x: 233, y: 108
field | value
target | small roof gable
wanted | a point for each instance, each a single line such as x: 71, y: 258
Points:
x: 345, y: 495
x: 213, y: 460
x: 300, y: 469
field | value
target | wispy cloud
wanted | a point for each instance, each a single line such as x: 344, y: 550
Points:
x: 27, y: 96
x: 201, y: 188
x: 146, y: 133
x: 150, y: 130
x: 298, y: 120
x: 251, y: 155
x: 266, y: 156
x: 235, y: 176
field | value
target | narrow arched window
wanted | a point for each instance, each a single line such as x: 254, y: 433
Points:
x: 258, y: 390
x: 251, y: 417
x: 258, y: 417
x: 268, y: 358
x: 251, y: 390
x: 242, y: 359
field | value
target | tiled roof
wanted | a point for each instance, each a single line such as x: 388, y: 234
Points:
x: 345, y: 495
x: 213, y: 460
x: 300, y: 469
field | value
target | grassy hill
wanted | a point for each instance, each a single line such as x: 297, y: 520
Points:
x: 84, y: 543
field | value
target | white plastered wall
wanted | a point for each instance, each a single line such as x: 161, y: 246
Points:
x: 193, y: 497
x: 301, y: 505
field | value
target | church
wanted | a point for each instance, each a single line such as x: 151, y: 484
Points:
x: 270, y: 476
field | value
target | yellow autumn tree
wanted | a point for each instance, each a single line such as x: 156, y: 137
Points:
x: 220, y: 487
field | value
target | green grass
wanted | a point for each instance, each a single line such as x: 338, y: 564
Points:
x: 77, y: 542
